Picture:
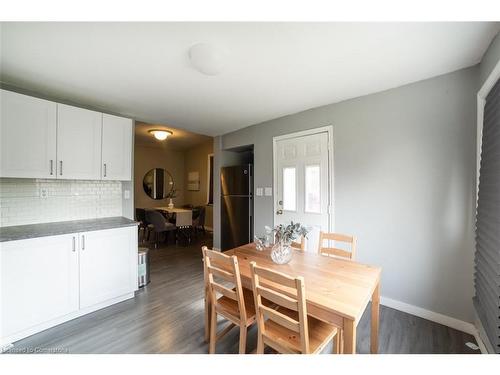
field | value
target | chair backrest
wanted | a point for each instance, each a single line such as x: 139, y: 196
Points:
x: 334, y: 251
x: 195, y: 213
x: 224, y: 267
x: 140, y: 215
x: 296, y: 302
x: 201, y: 216
x: 299, y: 245
x: 156, y: 218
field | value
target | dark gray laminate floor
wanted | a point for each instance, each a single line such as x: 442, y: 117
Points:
x: 167, y: 317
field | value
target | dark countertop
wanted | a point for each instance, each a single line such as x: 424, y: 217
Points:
x: 22, y: 232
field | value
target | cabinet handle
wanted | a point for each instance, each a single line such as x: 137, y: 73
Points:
x: 51, y: 167
x: 105, y: 169
x: 60, y: 167
x: 74, y: 244
x: 83, y: 242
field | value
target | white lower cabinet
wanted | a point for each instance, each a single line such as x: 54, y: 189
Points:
x: 38, y: 282
x: 49, y: 280
x: 108, y: 265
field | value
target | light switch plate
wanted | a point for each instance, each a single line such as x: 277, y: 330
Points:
x: 126, y: 194
x: 259, y: 192
x: 268, y: 191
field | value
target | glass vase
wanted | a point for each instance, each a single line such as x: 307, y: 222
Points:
x: 281, y: 253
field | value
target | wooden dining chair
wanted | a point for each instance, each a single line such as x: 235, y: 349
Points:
x: 236, y: 304
x: 334, y: 251
x: 286, y: 329
x: 299, y: 245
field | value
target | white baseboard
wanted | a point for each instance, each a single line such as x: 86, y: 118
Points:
x: 431, y: 315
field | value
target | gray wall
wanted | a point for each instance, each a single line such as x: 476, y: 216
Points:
x: 404, y: 167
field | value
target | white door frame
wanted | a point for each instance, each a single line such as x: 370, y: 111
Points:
x: 481, y: 102
x: 324, y: 129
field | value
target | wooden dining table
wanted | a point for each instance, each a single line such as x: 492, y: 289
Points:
x: 337, y: 291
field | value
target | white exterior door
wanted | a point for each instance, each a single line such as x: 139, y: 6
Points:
x: 38, y: 282
x: 108, y: 265
x: 78, y: 143
x: 116, y: 148
x: 27, y: 136
x: 301, y: 175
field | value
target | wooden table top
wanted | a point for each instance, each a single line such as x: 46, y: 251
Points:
x: 342, y: 287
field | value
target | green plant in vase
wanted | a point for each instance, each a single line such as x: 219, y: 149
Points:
x: 284, y: 235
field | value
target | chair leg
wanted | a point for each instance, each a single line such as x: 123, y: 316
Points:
x: 213, y: 331
x: 243, y: 338
x: 336, y: 343
x: 340, y: 335
x: 207, y: 317
x: 260, y: 344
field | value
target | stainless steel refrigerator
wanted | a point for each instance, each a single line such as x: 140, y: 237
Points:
x: 236, y: 206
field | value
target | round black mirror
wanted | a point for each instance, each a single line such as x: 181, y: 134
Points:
x: 158, y: 183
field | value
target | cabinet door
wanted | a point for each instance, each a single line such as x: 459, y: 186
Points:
x: 27, y: 136
x: 108, y: 265
x: 116, y: 148
x: 78, y: 143
x: 38, y: 281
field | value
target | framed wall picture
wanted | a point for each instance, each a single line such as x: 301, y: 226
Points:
x: 193, y: 181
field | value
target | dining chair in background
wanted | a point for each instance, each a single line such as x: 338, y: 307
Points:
x: 287, y: 329
x: 334, y: 251
x: 299, y: 245
x: 144, y: 226
x: 236, y: 305
x: 159, y: 223
x: 199, y: 218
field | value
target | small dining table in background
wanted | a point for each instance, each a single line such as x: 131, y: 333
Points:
x: 337, y: 291
x: 183, y: 216
x: 183, y: 220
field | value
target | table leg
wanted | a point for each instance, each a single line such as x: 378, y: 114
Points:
x: 375, y: 319
x: 349, y: 335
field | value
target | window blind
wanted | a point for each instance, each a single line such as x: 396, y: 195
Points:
x: 487, y: 257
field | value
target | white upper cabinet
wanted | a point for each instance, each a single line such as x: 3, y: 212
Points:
x: 78, y: 143
x: 116, y: 148
x: 27, y: 136
x: 44, y: 139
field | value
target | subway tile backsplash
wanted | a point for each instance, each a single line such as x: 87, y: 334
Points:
x: 31, y: 201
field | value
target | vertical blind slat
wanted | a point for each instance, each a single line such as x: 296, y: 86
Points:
x: 487, y: 265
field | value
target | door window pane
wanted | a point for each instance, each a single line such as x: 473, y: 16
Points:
x: 313, y: 193
x: 289, y: 193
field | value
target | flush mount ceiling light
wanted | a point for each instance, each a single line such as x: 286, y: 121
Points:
x: 206, y: 58
x: 159, y: 134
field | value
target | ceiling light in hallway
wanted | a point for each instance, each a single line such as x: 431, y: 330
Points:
x: 161, y: 135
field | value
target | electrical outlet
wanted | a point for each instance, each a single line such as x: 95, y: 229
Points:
x: 259, y: 192
x: 126, y: 194
x: 44, y: 193
x: 268, y: 191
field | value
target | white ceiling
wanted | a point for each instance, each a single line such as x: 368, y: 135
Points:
x: 270, y: 69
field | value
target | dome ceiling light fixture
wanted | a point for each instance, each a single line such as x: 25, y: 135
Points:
x: 160, y: 134
x: 206, y: 59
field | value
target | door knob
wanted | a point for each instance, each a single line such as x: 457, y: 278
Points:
x: 279, y: 212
